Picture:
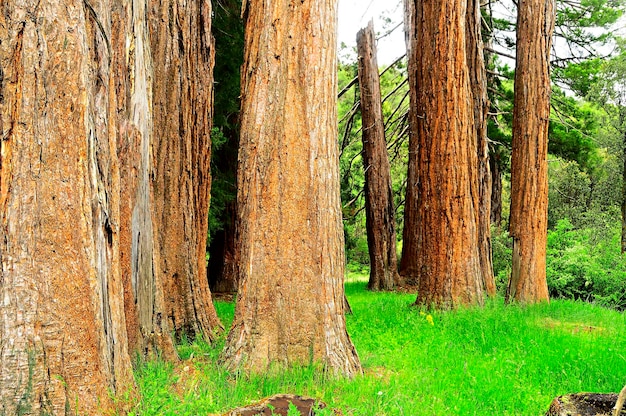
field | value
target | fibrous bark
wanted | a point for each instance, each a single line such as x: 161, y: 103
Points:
x: 408, y: 268
x: 183, y: 57
x: 478, y: 82
x: 290, y: 307
x: 379, y: 210
x: 529, y: 159
x: 62, y: 337
x: 448, y: 256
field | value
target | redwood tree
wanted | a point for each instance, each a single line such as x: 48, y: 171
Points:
x: 183, y: 58
x: 529, y: 159
x: 447, y: 256
x: 63, y: 343
x: 379, y: 210
x: 478, y: 82
x: 409, y: 269
x: 290, y: 306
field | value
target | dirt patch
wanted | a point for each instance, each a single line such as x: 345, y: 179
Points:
x: 584, y: 404
x: 573, y: 327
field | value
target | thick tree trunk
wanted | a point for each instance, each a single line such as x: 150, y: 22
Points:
x: 448, y: 255
x: 144, y: 300
x: 63, y: 343
x: 290, y: 308
x: 529, y: 165
x: 409, y: 269
x: 183, y: 57
x: 379, y: 210
x: 478, y: 82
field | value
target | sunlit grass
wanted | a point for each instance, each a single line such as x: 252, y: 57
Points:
x: 495, y: 360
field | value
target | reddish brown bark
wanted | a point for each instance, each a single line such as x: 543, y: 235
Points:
x: 290, y: 307
x: 409, y: 269
x: 448, y: 257
x: 478, y: 82
x: 379, y: 210
x: 62, y: 337
x: 529, y: 165
x: 183, y: 58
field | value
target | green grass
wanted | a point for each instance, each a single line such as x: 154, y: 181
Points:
x: 495, y: 360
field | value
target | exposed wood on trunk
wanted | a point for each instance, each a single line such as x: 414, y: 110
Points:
x: 529, y: 164
x: 62, y: 337
x: 448, y: 257
x: 379, y: 209
x: 496, y: 187
x: 183, y: 57
x: 478, y: 82
x: 409, y: 269
x: 290, y: 308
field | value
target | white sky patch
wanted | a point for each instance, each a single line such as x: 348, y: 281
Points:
x: 355, y: 14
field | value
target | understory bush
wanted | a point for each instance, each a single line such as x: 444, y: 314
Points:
x: 582, y: 265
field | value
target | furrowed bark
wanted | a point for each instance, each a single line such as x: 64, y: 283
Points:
x: 448, y: 257
x: 529, y: 159
x: 290, y: 307
x: 62, y: 337
x: 379, y: 209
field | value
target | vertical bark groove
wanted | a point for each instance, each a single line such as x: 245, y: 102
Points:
x: 447, y: 256
x: 529, y: 159
x: 290, y: 301
x: 380, y: 218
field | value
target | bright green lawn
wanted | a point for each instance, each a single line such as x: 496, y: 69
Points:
x: 495, y: 360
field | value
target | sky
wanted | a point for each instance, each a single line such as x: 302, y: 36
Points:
x: 355, y: 14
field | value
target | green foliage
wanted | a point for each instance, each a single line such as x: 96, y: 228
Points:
x: 496, y: 360
x: 502, y: 255
x: 581, y: 265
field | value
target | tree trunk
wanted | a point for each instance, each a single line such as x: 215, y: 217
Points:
x: 183, y: 57
x: 290, y: 307
x: 223, y: 252
x: 448, y: 255
x: 478, y: 82
x: 379, y: 210
x: 409, y: 269
x: 622, y: 116
x: 63, y: 343
x: 496, y: 187
x: 529, y: 165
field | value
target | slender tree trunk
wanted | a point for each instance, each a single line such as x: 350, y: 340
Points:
x: 478, y: 82
x: 222, y: 263
x: 290, y: 307
x: 622, y: 116
x: 496, y: 187
x: 529, y: 165
x: 409, y: 269
x: 183, y: 58
x: 448, y: 255
x: 379, y: 210
x: 63, y: 343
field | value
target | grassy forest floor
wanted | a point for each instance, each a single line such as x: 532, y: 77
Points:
x: 495, y: 360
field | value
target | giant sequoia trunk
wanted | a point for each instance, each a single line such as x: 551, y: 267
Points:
x: 82, y: 195
x: 63, y: 343
x: 529, y: 159
x: 183, y: 98
x: 409, y: 269
x: 290, y: 306
x: 379, y: 211
x: 448, y: 255
x: 478, y: 82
